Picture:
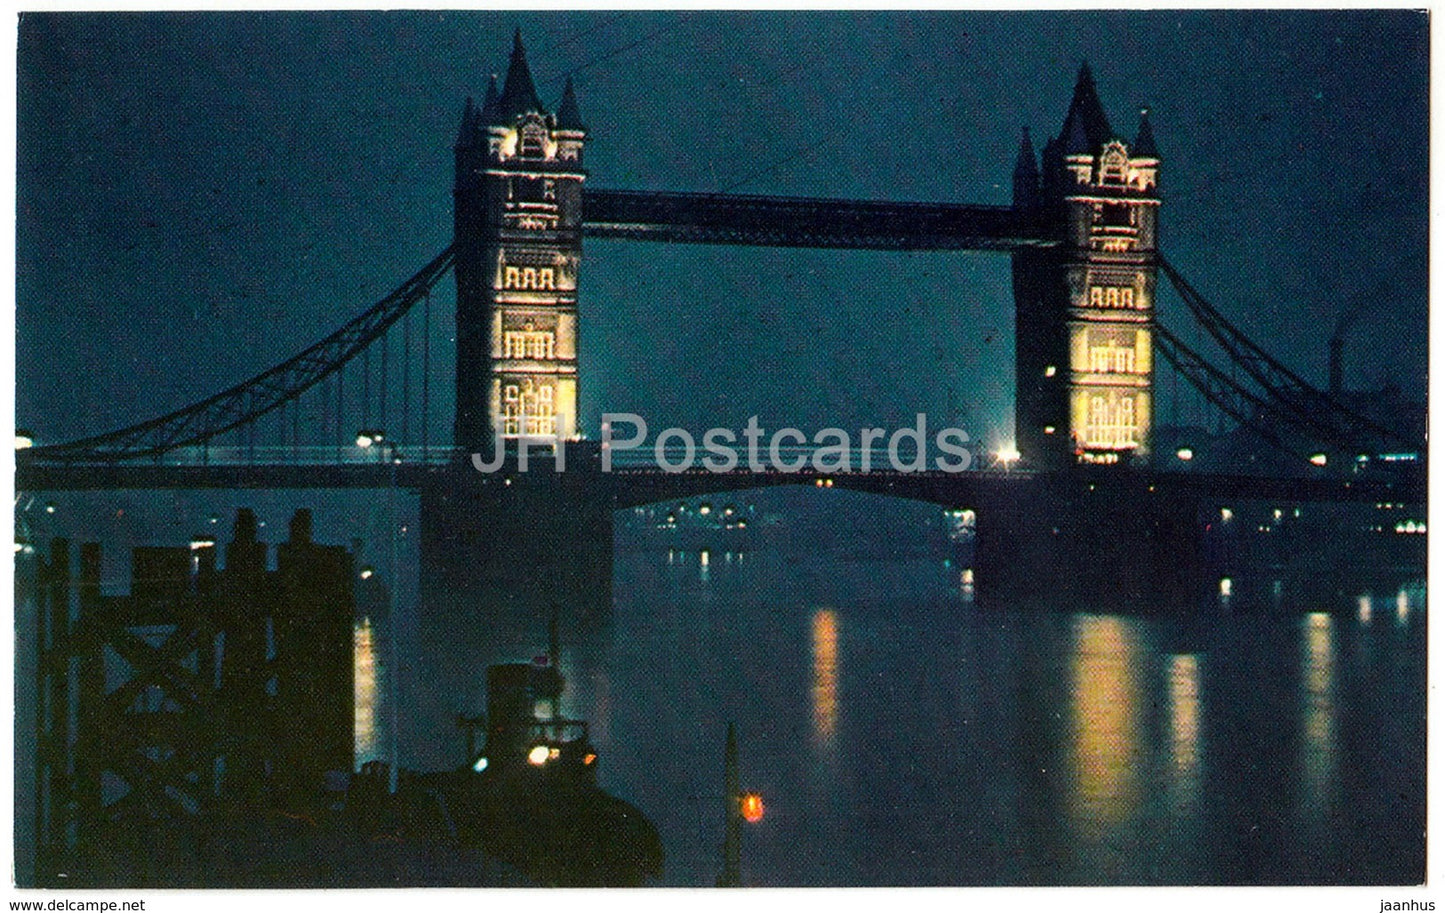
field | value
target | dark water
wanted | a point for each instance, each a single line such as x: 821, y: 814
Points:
x: 901, y: 735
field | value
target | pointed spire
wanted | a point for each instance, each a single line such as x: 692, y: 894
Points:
x: 1027, y: 164
x: 469, y: 119
x: 1086, y: 127
x: 1144, y: 143
x: 1026, y: 175
x: 569, y: 116
x: 491, y: 104
x: 519, y: 95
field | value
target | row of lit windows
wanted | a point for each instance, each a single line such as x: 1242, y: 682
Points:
x: 529, y: 277
x: 1111, y: 423
x: 1111, y: 359
x: 1111, y: 296
x: 529, y: 344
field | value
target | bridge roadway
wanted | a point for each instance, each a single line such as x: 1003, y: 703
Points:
x: 634, y: 485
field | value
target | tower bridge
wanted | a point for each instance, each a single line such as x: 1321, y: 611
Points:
x: 1082, y: 232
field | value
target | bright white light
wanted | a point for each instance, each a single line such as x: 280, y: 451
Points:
x: 1319, y: 459
x: 50, y: 508
x: 366, y: 573
x: 1050, y: 371
x: 1225, y: 515
x: 480, y: 766
x: 23, y: 441
x: 1007, y: 454
x: 1226, y: 586
x: 538, y: 755
x: 1185, y: 454
x: 364, y: 440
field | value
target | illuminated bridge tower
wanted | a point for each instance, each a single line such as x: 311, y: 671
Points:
x: 1085, y: 310
x: 518, y: 244
x: 502, y: 551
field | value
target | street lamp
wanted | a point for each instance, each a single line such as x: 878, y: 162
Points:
x: 1008, y: 454
x: 752, y: 808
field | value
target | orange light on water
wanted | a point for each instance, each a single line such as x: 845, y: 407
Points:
x: 752, y: 808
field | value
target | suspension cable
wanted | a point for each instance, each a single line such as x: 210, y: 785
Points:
x: 1283, y: 385
x: 406, y: 378
x: 426, y: 375
x: 263, y: 393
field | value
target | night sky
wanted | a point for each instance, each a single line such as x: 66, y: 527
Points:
x: 200, y: 196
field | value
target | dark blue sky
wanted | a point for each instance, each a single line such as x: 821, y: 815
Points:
x: 199, y: 196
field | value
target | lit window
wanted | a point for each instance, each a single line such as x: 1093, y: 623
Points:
x: 1112, y: 423
x: 534, y: 141
x: 1112, y: 167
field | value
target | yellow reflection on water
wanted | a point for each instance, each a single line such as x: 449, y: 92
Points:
x: 825, y: 676
x: 1106, y: 723
x: 1402, y: 607
x: 1367, y: 609
x: 1318, y: 682
x: 1184, y: 729
x: 364, y: 740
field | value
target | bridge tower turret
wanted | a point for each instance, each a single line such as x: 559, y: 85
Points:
x: 518, y: 224
x: 1086, y: 309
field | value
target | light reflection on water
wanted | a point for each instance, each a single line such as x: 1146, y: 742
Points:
x: 900, y: 735
x: 1105, y: 723
x: 365, y: 674
x: 825, y: 677
x: 1183, y: 734
x: 1317, y: 709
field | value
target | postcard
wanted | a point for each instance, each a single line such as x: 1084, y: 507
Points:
x: 693, y: 449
